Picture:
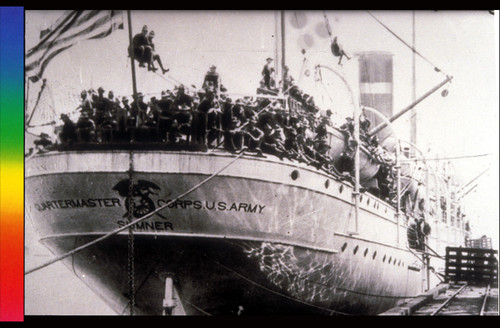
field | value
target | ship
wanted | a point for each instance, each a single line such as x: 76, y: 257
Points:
x: 154, y: 229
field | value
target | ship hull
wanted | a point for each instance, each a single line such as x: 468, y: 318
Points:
x: 218, y: 276
x: 271, y: 236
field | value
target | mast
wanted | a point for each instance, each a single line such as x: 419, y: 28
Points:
x: 413, y: 118
x: 277, y: 34
x: 134, y: 84
x: 283, y: 50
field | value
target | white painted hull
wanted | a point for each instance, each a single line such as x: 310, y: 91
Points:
x: 252, y: 236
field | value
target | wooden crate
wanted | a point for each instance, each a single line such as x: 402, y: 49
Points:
x: 476, y: 266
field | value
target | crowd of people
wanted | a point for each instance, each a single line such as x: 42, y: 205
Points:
x: 204, y: 118
x: 208, y: 118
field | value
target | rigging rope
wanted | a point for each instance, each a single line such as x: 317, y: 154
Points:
x: 42, y: 88
x: 323, y: 84
x: 328, y: 27
x: 130, y: 258
x: 445, y: 158
x: 406, y: 44
x: 114, y: 232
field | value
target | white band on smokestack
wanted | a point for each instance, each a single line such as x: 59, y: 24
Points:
x: 375, y: 88
x: 376, y: 85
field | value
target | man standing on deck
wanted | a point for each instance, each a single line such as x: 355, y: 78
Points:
x: 266, y: 73
x: 86, y: 103
x: 68, y: 133
x: 212, y: 80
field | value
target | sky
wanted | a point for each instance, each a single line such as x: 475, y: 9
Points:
x: 462, y: 44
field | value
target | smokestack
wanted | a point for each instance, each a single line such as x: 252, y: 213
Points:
x: 376, y: 87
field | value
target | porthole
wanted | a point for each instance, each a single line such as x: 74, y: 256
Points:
x: 341, y: 188
x: 394, y: 262
x: 383, y: 260
x: 390, y: 258
x: 295, y: 175
x: 374, y: 255
x: 399, y: 263
x: 368, y: 201
x: 343, y: 247
x: 361, y: 198
x: 374, y: 205
x: 355, y: 249
x: 366, y: 252
x: 327, y: 184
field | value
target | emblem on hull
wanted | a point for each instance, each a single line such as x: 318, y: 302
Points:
x: 137, y: 194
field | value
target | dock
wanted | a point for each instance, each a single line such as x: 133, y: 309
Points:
x: 470, y: 289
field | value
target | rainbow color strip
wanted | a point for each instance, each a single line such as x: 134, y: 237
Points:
x: 11, y: 164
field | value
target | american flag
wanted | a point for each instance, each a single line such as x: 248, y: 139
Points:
x: 70, y: 28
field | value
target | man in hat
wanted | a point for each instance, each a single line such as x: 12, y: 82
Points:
x: 348, y: 130
x: 102, y: 106
x: 154, y: 55
x: 288, y: 81
x: 321, y: 130
x: 139, y: 108
x: 120, y: 114
x: 322, y: 156
x: 212, y: 80
x: 338, y: 51
x: 291, y: 141
x: 184, y: 117
x: 364, y: 126
x: 235, y: 135
x: 266, y: 73
x: 182, y: 98
x: 166, y: 114
x: 146, y: 131
x: 107, y: 128
x: 254, y: 137
x: 226, y: 119
x: 140, y: 49
x: 328, y: 117
x: 86, y: 103
x: 85, y: 128
x: 131, y: 120
x: 198, y: 127
x: 273, y: 142
x: 214, y: 117
x: 68, y: 133
x: 44, y: 144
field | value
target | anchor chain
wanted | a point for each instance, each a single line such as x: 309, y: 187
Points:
x: 130, y: 258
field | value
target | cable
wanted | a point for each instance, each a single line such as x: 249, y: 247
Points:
x: 444, y: 158
x: 404, y: 42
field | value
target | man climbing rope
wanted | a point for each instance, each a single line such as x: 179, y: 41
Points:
x: 154, y: 55
x: 338, y: 51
